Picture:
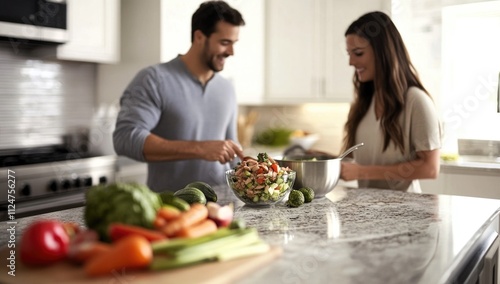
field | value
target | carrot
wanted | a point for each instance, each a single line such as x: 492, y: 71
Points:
x: 169, y: 212
x: 159, y: 222
x: 133, y: 252
x: 196, y: 213
x: 117, y: 231
x: 82, y: 252
x: 200, y: 229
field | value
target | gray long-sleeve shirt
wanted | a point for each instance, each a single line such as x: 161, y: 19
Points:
x: 167, y: 100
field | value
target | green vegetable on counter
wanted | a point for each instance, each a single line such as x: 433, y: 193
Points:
x: 225, y: 244
x: 295, y: 199
x: 127, y: 203
x: 191, y: 195
x: 308, y: 194
x: 207, y: 190
x: 168, y: 198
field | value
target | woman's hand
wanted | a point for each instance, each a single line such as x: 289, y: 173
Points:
x: 349, y: 171
x: 426, y: 166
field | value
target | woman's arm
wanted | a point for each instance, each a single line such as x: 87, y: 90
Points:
x: 425, y: 166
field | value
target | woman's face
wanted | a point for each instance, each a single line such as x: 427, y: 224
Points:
x: 361, y: 57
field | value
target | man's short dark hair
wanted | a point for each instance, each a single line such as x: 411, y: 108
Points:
x: 210, y: 13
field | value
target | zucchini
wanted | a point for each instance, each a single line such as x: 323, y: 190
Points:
x: 206, y: 189
x: 168, y: 198
x: 191, y: 195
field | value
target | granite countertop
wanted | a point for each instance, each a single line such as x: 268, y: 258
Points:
x: 357, y: 235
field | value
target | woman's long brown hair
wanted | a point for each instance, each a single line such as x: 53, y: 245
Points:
x: 394, y: 74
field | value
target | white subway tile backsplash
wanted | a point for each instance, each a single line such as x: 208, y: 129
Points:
x: 40, y: 100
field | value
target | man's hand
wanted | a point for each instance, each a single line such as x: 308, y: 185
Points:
x: 222, y: 151
x: 159, y: 149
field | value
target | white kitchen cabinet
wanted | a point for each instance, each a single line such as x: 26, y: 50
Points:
x: 93, y: 27
x: 157, y: 31
x: 246, y: 68
x: 434, y: 186
x: 465, y: 181
x: 306, y: 54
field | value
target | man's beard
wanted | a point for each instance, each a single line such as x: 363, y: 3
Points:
x: 209, y: 59
x: 211, y: 65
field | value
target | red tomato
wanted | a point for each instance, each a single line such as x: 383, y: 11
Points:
x: 275, y: 167
x: 261, y: 180
x: 44, y: 242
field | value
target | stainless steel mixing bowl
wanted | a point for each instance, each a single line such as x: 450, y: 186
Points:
x: 320, y: 175
x: 319, y: 172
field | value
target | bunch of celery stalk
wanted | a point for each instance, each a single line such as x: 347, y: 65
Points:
x: 225, y: 244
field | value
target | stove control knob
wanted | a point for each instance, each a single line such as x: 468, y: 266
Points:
x: 77, y: 182
x: 26, y: 190
x: 87, y: 181
x: 53, y: 185
x: 103, y: 180
x: 66, y: 184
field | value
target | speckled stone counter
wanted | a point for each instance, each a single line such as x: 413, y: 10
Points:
x: 359, y: 236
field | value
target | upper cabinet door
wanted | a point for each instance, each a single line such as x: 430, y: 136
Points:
x: 292, y: 46
x: 306, y: 53
x: 246, y: 68
x: 338, y: 74
x: 94, y: 31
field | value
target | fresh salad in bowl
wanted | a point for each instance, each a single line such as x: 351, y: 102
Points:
x: 260, y: 181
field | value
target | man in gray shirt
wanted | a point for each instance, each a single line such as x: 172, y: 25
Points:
x: 180, y: 116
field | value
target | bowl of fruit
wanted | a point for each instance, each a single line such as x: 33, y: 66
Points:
x: 261, y: 181
x: 303, y: 138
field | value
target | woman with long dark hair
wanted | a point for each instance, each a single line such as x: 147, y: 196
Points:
x: 392, y: 112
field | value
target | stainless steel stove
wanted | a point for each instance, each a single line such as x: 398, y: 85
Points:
x: 49, y: 179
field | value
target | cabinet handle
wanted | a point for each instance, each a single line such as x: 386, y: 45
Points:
x: 315, y: 86
x: 323, y: 87
x: 498, y: 93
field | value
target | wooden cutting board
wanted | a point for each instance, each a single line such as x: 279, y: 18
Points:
x: 215, y: 272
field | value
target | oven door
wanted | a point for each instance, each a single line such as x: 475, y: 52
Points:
x: 52, y: 186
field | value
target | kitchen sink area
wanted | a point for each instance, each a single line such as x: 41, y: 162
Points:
x: 478, y: 159
x: 473, y: 172
x: 473, y: 151
x: 478, y: 162
x: 476, y: 153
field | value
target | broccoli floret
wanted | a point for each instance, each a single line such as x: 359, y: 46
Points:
x: 262, y: 157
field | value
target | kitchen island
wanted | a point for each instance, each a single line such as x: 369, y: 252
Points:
x: 361, y: 236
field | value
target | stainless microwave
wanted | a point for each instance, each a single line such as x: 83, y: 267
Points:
x: 33, y: 21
